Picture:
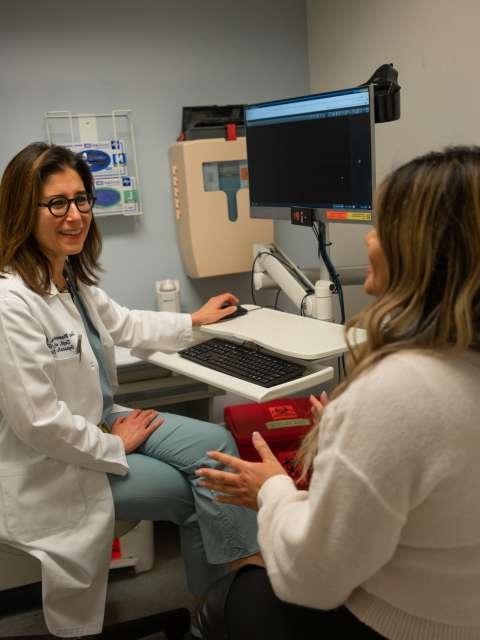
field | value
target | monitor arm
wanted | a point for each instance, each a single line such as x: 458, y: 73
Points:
x: 272, y: 268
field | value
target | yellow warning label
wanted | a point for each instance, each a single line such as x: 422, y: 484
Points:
x: 293, y: 422
x: 359, y: 216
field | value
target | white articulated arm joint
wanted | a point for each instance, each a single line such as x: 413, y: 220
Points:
x: 262, y: 280
x: 323, y: 304
x: 269, y: 271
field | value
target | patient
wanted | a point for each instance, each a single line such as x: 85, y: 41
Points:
x: 386, y: 541
x: 64, y: 479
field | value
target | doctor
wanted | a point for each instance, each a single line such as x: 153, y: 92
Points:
x: 62, y: 478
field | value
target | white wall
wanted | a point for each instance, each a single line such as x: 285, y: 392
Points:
x: 153, y: 56
x: 434, y: 45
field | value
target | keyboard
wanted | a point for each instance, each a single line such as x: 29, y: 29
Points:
x: 243, y: 362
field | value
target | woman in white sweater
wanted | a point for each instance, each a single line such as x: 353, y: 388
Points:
x: 386, y: 541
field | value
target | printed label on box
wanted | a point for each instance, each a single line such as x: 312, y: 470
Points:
x: 116, y: 194
x: 281, y: 411
x: 292, y: 422
x: 106, y: 158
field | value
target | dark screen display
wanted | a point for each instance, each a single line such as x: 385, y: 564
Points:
x: 322, y: 161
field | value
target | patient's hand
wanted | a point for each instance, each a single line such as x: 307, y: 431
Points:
x: 242, y: 486
x: 212, y: 311
x: 318, y: 405
x: 135, y: 428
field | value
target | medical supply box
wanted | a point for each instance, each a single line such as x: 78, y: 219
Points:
x: 211, y: 121
x: 282, y: 423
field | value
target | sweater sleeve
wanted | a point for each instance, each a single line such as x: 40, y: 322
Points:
x: 320, y: 545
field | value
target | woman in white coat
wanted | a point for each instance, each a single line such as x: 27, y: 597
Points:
x: 62, y: 478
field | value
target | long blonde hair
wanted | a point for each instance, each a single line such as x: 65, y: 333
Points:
x: 428, y: 225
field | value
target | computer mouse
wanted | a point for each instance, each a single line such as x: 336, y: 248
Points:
x: 240, y: 311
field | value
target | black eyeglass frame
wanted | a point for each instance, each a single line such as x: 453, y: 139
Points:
x: 90, y: 199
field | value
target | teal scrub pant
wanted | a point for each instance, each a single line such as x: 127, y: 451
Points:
x: 161, y: 485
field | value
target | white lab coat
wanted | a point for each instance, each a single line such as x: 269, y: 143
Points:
x: 55, y: 499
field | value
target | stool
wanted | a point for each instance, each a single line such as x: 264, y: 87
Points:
x: 174, y: 623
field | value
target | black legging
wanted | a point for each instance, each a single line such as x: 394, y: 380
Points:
x: 244, y: 607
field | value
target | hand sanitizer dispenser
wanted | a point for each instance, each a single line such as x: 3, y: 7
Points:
x: 168, y: 295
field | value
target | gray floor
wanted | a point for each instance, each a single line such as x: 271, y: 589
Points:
x: 129, y: 595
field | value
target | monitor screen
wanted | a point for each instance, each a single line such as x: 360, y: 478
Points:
x: 316, y: 152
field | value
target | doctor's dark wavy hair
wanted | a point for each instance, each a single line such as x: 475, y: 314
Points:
x: 428, y: 225
x: 20, y: 192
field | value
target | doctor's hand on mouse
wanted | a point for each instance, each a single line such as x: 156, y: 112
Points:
x: 215, y: 309
x: 135, y: 428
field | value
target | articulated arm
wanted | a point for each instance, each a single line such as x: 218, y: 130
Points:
x: 272, y: 268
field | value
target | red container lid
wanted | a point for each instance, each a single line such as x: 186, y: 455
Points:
x: 277, y: 420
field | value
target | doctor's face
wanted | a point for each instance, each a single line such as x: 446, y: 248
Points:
x: 62, y: 235
x: 377, y: 274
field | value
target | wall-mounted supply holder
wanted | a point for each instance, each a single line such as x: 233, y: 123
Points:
x: 106, y: 141
x: 212, y: 209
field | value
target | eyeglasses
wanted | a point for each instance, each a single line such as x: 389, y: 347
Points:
x: 60, y: 205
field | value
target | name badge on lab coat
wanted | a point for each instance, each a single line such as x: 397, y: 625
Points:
x: 65, y: 346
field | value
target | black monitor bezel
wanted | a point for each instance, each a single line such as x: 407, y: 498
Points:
x: 283, y: 212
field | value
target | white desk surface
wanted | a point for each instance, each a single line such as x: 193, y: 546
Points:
x: 289, y: 335
x: 285, y: 333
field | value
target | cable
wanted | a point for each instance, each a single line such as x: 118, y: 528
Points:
x: 341, y: 367
x: 252, y: 290
x: 276, y: 298
x: 302, y: 309
x: 320, y: 234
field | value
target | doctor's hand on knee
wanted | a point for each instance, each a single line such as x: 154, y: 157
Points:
x: 135, y: 428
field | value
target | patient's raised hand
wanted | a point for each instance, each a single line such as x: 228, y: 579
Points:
x: 318, y: 405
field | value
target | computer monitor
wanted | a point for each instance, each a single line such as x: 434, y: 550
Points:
x: 314, y: 152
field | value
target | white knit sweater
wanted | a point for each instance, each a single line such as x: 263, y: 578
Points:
x: 391, y: 523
